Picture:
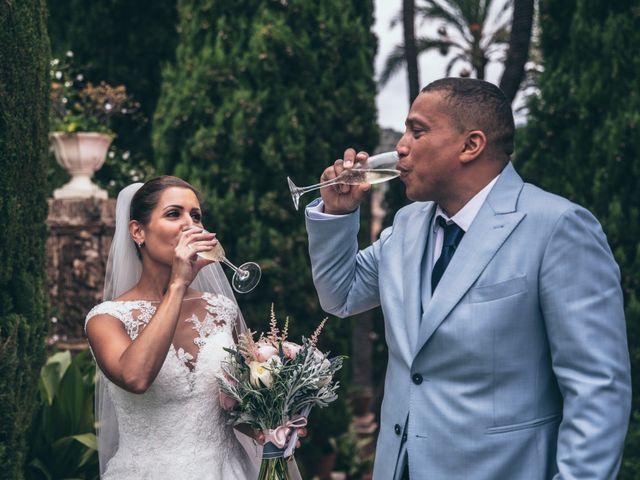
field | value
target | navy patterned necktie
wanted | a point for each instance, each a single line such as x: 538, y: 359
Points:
x: 452, y: 236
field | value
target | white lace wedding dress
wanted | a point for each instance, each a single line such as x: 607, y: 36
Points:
x: 176, y: 429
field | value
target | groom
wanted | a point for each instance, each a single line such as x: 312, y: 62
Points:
x: 503, y: 309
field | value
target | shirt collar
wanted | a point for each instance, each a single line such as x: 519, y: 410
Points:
x: 468, y: 213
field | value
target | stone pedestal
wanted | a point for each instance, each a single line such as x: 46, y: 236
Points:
x: 80, y: 233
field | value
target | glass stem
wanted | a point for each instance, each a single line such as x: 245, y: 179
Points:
x: 242, y: 273
x: 326, y: 183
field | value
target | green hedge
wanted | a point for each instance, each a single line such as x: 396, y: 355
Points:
x: 583, y: 141
x: 24, y: 56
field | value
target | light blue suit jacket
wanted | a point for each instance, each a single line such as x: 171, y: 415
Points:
x: 518, y: 366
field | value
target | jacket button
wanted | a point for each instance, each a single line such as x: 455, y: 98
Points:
x: 397, y: 429
x: 417, y: 378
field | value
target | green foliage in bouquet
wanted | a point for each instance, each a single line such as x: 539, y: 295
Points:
x: 62, y: 439
x: 24, y: 105
x: 582, y: 140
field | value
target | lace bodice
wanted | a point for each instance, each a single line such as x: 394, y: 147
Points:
x: 176, y: 429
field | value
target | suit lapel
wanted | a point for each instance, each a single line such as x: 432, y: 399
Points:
x: 414, y: 245
x: 492, y: 226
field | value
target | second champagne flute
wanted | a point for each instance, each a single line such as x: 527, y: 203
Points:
x: 378, y: 168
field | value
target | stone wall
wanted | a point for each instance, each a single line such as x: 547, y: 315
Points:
x: 80, y: 233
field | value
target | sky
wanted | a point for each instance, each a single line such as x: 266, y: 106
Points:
x: 393, y: 99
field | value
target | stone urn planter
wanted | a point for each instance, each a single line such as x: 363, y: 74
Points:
x: 81, y: 154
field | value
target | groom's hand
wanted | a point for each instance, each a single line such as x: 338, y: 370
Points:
x: 341, y: 199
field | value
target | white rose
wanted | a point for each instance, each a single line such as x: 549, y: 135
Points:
x: 260, y: 374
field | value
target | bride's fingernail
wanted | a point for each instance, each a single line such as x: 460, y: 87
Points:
x: 348, y: 163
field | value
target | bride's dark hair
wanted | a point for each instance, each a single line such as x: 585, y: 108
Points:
x: 146, y: 198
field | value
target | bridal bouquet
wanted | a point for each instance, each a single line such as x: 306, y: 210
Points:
x: 271, y: 384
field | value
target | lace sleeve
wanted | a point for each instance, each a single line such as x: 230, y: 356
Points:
x: 104, y: 308
x: 123, y: 311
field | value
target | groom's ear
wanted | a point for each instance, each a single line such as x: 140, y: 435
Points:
x: 136, y: 231
x: 474, y: 144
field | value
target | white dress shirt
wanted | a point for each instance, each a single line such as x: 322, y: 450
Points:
x: 464, y: 218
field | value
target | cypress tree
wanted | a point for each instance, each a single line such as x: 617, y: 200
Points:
x: 583, y: 140
x: 24, y: 88
x: 261, y: 90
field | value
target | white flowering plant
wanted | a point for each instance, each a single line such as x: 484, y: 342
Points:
x: 80, y: 106
x: 271, y: 384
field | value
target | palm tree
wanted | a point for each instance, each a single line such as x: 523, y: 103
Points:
x: 475, y: 39
x: 410, y: 51
x: 518, y: 53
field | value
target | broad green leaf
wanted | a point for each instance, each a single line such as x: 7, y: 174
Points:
x: 87, y: 439
x: 36, y: 464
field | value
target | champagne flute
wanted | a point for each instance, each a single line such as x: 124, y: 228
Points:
x: 245, y: 277
x: 377, y: 169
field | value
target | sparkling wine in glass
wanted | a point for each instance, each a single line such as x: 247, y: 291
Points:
x: 245, y: 277
x: 377, y: 169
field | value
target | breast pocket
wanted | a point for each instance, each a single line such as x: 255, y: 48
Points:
x: 496, y: 291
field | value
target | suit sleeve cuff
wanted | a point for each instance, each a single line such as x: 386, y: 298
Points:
x: 315, y: 211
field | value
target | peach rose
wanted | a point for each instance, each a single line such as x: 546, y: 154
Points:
x: 265, y: 351
x: 291, y: 349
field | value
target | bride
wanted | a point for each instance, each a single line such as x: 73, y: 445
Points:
x: 158, y: 341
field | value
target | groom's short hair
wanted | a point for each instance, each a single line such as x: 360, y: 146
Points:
x: 478, y: 105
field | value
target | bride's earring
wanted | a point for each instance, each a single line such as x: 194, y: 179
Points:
x: 141, y: 244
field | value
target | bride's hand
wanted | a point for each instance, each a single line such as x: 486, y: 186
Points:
x: 186, y: 262
x: 258, y: 435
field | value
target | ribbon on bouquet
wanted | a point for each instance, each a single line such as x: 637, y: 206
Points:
x: 278, y: 436
x: 276, y: 444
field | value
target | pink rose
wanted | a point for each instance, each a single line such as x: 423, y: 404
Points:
x: 226, y: 402
x: 230, y: 380
x: 265, y: 351
x: 291, y: 349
